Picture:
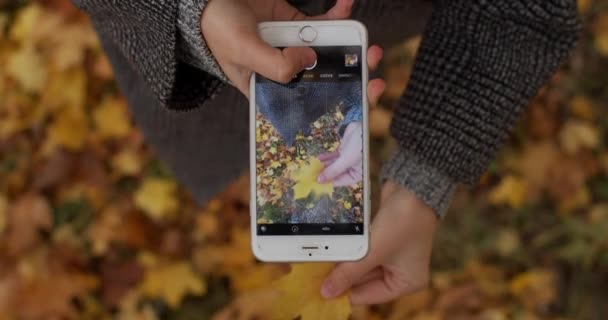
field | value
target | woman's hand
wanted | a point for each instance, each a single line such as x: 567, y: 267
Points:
x: 231, y: 32
x: 399, y: 257
x: 345, y: 166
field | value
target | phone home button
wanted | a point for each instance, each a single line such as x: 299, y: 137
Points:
x: 308, y: 34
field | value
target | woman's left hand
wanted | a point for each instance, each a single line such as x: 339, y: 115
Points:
x: 399, y: 256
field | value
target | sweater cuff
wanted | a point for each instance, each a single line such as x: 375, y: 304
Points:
x: 192, y: 47
x: 429, y: 184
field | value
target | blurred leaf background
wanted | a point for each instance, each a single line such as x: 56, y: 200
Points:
x: 93, y: 226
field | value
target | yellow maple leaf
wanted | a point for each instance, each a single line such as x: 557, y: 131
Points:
x: 111, y: 119
x: 127, y: 163
x: 172, y: 283
x: 69, y: 129
x: 306, y: 181
x: 68, y: 89
x: 157, y: 197
x: 27, y: 67
x: 26, y: 22
x: 535, y: 288
x: 577, y: 135
x: 511, y: 190
x: 300, y: 295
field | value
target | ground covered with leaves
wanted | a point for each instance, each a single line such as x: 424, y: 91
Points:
x: 287, y: 189
x: 92, y: 226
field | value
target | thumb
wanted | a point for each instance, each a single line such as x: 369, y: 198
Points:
x: 343, y: 276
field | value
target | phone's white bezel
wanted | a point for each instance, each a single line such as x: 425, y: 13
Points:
x: 340, y: 247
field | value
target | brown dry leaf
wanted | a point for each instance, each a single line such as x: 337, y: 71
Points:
x: 490, y: 279
x: 105, y: 229
x: 48, y: 282
x: 28, y: 68
x: 601, y: 34
x: 69, y: 43
x: 68, y: 89
x: 69, y: 129
x: 582, y: 107
x: 533, y: 164
x: 511, y: 191
x: 467, y: 296
x: 583, y: 6
x: 565, y: 177
x: 53, y: 171
x: 598, y: 213
x: 157, y: 198
x: 28, y: 215
x: 580, y: 199
x: 535, y: 288
x: 301, y: 296
x: 577, y: 135
x: 219, y: 259
x: 172, y: 283
x: 3, y: 24
x: 206, y: 226
x: 111, y: 118
x: 118, y: 278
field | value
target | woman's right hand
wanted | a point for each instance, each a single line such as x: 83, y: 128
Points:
x: 230, y: 30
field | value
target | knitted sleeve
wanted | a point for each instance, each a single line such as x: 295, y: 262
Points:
x: 146, y: 32
x: 479, y: 64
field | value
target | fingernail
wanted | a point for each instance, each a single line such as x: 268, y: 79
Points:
x: 327, y: 291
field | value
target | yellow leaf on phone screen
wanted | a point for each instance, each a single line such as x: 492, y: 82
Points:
x: 306, y: 181
x: 300, y: 295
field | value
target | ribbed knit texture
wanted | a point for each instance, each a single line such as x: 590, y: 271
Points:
x: 429, y: 184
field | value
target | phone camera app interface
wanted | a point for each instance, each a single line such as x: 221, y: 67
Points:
x: 309, y: 148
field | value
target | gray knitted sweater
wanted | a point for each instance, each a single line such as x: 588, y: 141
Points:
x: 479, y: 64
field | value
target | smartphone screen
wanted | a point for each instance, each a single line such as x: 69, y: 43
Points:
x: 309, y: 128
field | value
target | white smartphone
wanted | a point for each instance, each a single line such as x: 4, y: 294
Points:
x: 317, y: 124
